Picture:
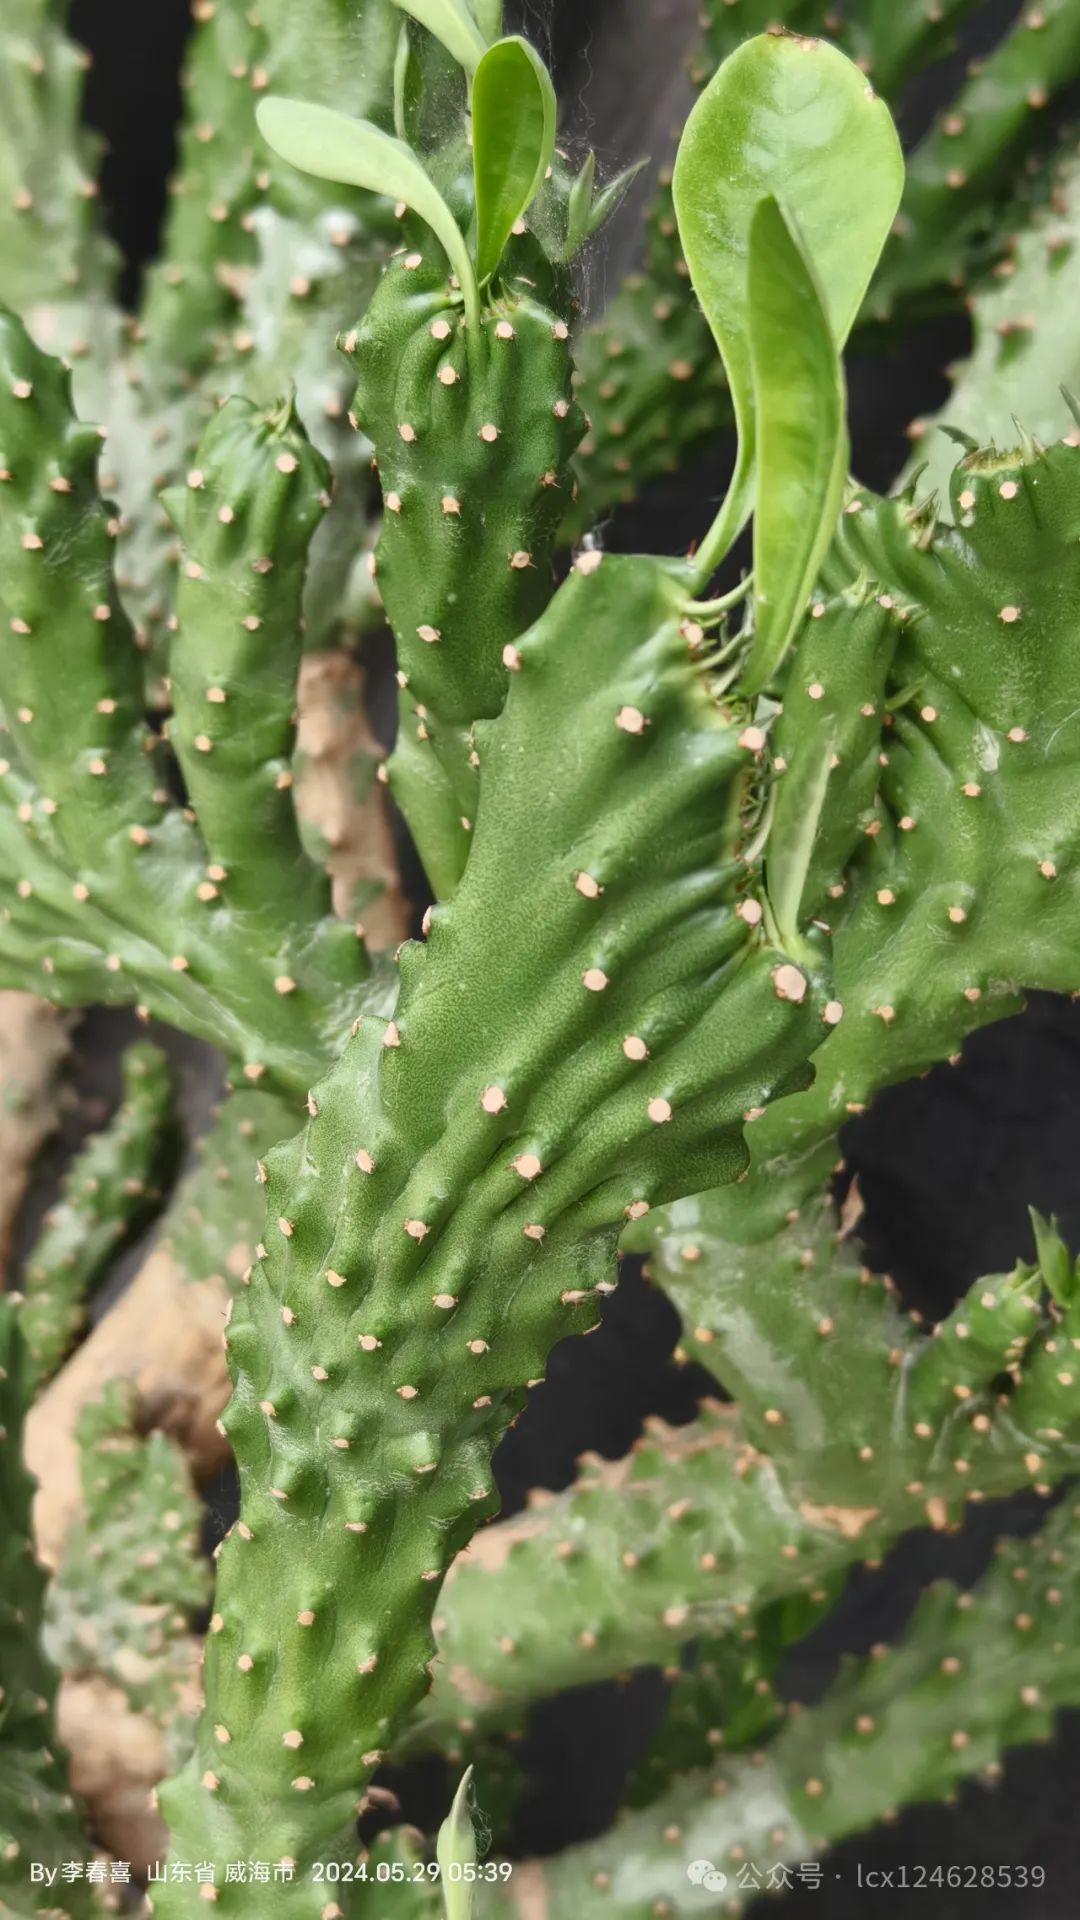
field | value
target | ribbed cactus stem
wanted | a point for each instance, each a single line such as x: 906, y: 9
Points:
x: 38, y: 1818
x: 132, y: 1572
x: 104, y: 870
x: 1025, y: 347
x: 51, y: 251
x: 474, y: 1160
x: 974, y: 151
x: 473, y: 439
x: 245, y: 518
x: 971, y: 1675
x: 705, y: 1524
x: 193, y: 292
x: 111, y: 1189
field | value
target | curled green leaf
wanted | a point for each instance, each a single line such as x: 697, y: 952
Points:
x: 798, y: 390
x: 455, y: 24
x: 455, y: 1851
x: 796, y: 119
x: 513, y: 128
x: 334, y: 146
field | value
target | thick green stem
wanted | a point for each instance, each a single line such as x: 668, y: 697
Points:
x: 557, y: 1058
x: 38, y: 1819
x: 971, y: 1675
x: 111, y: 1190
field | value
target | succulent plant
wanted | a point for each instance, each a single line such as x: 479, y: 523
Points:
x: 714, y: 859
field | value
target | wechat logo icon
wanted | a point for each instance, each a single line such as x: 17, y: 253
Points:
x: 702, y: 1873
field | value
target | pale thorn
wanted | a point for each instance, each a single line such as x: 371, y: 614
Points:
x: 751, y: 739
x: 659, y: 1111
x: 585, y: 884
x: 511, y: 658
x: 527, y: 1165
x: 790, y: 983
x: 750, y: 911
x: 630, y: 720
x: 594, y: 979
x: 416, y: 1229
x: 493, y: 1099
x: 364, y: 1160
x: 634, y: 1047
x: 534, y: 1232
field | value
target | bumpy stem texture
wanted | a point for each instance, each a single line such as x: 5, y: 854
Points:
x: 962, y: 892
x: 704, y: 1524
x: 971, y: 1675
x: 51, y: 249
x: 473, y: 436
x: 38, y: 1819
x: 105, y: 873
x: 972, y: 156
x: 558, y: 1057
x: 132, y: 1573
x: 109, y: 1192
x: 1025, y: 347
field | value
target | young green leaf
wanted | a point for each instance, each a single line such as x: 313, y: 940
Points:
x: 513, y: 131
x: 798, y: 391
x: 454, y: 23
x: 333, y: 146
x: 608, y: 198
x: 489, y: 18
x: 404, y: 83
x: 579, y: 206
x: 1053, y: 1257
x: 455, y: 1850
x: 793, y: 118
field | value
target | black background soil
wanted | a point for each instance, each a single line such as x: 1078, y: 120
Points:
x: 947, y: 1166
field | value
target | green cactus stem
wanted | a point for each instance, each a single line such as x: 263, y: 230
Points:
x: 259, y: 271
x: 705, y: 1524
x: 473, y: 441
x: 973, y: 155
x: 970, y: 1676
x: 103, y: 870
x: 245, y: 519
x: 38, y: 1817
x: 132, y: 1573
x: 51, y: 249
x: 207, y: 245
x: 724, y: 1694
x: 962, y: 892
x: 110, y: 1191
x: 526, y: 1095
x: 1025, y: 347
